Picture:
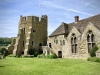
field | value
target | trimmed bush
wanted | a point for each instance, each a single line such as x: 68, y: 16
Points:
x: 52, y: 56
x: 18, y: 56
x: 28, y: 56
x: 47, y: 56
x: 94, y: 49
x: 41, y: 56
x: 33, y: 51
x: 11, y: 55
x: 2, y: 51
x: 36, y: 53
x: 94, y: 59
x: 88, y: 59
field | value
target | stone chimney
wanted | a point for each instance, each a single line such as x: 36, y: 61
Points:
x: 76, y: 18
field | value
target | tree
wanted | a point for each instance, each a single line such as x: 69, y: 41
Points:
x: 33, y: 51
x: 93, y: 50
x: 5, y: 41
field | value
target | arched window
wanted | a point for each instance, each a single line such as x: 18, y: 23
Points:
x: 56, y: 40
x: 63, y: 42
x: 73, y: 43
x: 90, y: 40
x: 71, y: 40
x: 74, y: 39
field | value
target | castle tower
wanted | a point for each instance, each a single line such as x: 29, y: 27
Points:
x: 32, y: 33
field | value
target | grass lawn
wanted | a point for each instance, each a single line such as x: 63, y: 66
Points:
x: 40, y: 66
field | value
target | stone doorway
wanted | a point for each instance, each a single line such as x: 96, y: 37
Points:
x: 40, y: 48
x: 59, y: 54
x: 50, y: 45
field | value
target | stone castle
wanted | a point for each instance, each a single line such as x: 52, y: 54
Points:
x: 32, y: 33
x: 73, y: 40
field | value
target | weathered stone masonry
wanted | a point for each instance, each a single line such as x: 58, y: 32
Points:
x: 75, y: 40
x: 32, y: 33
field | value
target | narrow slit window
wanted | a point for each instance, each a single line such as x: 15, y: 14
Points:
x: 32, y: 42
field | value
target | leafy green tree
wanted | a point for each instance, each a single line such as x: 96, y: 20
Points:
x: 5, y: 41
x: 2, y: 51
x: 93, y: 50
x: 33, y: 51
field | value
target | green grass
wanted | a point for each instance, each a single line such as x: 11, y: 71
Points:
x: 40, y: 66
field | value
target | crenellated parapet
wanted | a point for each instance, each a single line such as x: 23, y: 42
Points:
x: 26, y: 19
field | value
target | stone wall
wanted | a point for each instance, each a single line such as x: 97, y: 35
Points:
x: 82, y: 48
x: 10, y: 49
x: 31, y: 33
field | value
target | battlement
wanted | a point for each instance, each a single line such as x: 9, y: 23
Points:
x: 24, y: 19
x: 44, y: 16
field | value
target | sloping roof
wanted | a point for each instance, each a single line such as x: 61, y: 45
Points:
x: 80, y: 25
x: 60, y: 29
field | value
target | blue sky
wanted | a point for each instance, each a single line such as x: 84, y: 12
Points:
x: 58, y: 11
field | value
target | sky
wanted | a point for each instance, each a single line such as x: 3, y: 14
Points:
x: 58, y: 11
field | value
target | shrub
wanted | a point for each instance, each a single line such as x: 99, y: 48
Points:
x: 11, y: 55
x: 47, y: 56
x: 41, y: 56
x: 33, y: 51
x: 88, y: 59
x: 28, y: 56
x: 52, y: 56
x: 36, y: 53
x: 18, y: 56
x: 2, y: 51
x: 94, y: 59
x: 94, y: 49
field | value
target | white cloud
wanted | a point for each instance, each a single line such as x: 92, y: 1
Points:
x: 56, y: 10
x: 50, y: 4
x: 94, y: 6
x: 91, y: 4
x: 14, y: 1
x: 7, y: 32
x: 87, y: 3
x: 80, y: 12
x: 11, y: 28
x: 8, y: 11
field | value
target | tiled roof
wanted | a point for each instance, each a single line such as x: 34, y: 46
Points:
x: 60, y: 29
x: 80, y: 25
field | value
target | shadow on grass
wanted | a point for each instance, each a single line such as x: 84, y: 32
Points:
x: 1, y: 66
